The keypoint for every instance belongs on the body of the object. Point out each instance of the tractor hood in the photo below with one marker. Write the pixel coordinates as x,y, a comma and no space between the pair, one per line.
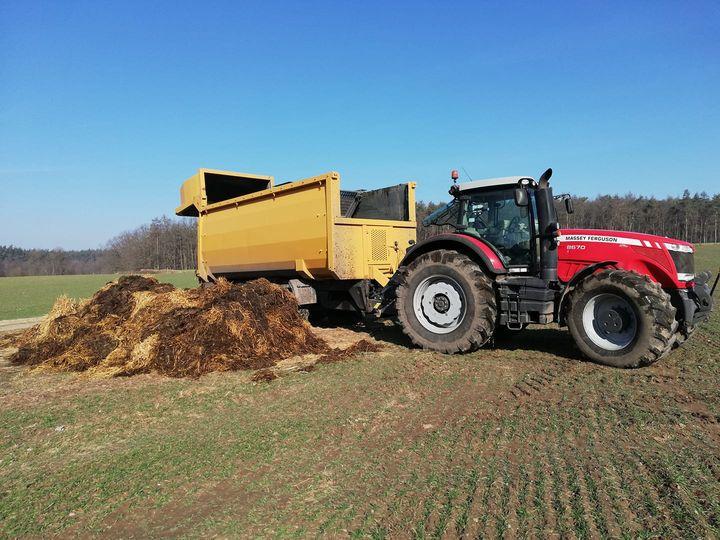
624,238
667,260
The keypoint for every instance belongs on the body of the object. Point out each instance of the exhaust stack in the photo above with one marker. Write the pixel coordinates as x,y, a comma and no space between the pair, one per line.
549,227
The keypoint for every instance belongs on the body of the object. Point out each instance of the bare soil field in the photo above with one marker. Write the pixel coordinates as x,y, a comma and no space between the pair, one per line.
521,439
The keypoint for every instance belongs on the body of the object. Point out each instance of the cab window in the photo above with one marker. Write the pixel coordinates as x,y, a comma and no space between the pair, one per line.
496,218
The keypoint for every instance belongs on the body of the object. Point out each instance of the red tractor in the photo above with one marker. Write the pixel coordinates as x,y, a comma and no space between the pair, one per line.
627,298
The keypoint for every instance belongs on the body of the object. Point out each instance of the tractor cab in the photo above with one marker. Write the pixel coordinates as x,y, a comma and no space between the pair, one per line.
505,213
489,211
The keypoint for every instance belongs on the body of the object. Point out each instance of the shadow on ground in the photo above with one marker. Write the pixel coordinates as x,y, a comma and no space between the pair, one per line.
543,339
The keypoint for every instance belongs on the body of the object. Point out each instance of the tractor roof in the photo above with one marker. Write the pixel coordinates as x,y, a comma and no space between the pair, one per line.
493,182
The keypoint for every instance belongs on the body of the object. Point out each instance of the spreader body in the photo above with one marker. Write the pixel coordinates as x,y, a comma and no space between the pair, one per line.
308,229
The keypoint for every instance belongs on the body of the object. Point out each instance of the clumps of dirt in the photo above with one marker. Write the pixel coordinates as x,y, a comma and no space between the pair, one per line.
10,339
264,375
138,325
308,363
336,355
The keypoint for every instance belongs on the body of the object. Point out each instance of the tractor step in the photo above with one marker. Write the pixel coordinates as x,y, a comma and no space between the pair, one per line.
525,300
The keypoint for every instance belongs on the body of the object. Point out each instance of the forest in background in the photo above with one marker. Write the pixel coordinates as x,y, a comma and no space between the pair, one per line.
169,243
164,243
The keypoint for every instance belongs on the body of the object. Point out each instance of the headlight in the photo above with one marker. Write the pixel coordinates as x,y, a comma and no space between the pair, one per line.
679,247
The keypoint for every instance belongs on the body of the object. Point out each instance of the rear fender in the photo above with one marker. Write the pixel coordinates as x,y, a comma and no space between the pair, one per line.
474,248
577,278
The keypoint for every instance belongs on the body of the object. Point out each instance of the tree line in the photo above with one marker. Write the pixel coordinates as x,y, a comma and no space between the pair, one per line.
170,243
164,243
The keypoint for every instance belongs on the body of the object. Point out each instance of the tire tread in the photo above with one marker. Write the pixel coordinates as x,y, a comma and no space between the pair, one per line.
651,299
486,305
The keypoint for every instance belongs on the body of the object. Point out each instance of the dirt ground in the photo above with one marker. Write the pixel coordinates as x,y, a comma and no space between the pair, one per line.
522,439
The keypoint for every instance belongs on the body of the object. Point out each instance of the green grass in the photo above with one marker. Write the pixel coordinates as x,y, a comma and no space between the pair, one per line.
30,296
708,258
399,443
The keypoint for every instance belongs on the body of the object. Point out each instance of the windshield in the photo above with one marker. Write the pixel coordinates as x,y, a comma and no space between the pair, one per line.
495,217
446,215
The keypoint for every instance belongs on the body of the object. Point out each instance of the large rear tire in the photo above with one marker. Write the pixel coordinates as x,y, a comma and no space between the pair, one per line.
446,303
621,319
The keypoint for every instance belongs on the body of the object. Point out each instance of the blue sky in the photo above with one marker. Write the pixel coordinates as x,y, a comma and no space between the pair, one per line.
105,107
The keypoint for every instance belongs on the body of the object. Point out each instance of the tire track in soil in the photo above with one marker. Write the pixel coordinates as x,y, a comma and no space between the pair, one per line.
535,383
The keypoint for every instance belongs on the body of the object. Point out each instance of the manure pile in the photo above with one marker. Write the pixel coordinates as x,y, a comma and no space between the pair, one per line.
137,325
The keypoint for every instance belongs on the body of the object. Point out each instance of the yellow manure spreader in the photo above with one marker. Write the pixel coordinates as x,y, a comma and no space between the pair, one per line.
332,248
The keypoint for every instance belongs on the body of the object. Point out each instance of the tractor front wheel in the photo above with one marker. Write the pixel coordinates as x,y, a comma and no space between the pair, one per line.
446,303
621,318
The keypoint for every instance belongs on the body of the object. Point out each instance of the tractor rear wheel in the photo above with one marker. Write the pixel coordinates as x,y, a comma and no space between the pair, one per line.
621,318
446,303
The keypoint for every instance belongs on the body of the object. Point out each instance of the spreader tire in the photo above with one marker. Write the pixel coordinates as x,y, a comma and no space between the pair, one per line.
621,319
446,303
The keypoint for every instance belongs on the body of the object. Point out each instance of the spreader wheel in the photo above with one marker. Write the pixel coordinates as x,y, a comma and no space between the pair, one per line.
446,303
621,318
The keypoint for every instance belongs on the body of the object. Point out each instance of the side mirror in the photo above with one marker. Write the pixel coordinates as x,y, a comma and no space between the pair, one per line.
569,205
521,197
